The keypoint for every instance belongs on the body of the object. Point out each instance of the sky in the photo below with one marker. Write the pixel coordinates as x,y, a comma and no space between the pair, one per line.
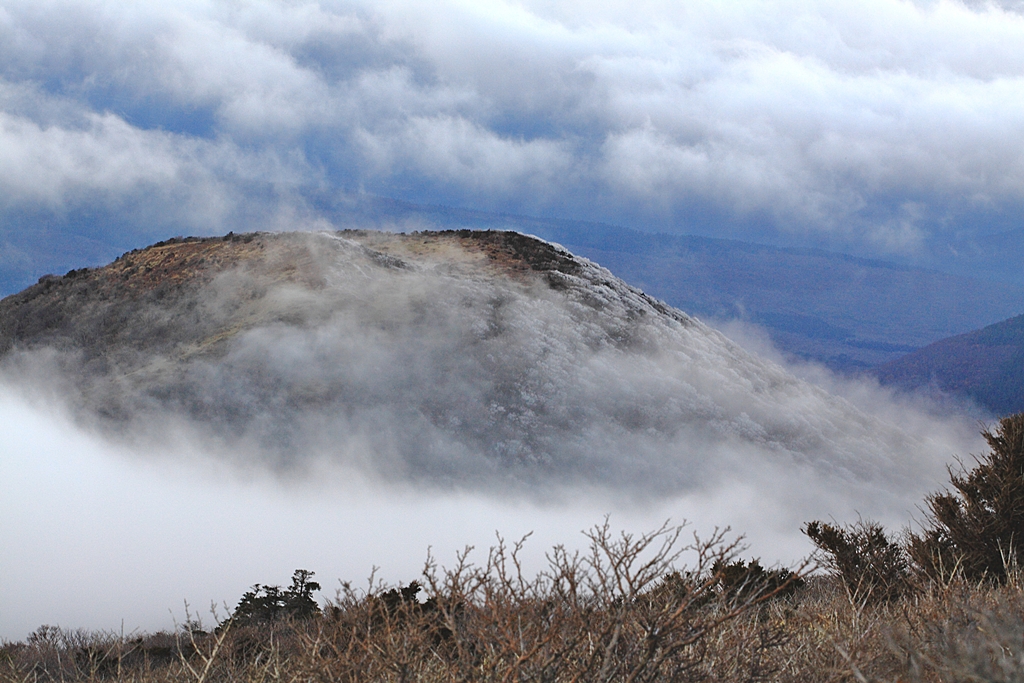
882,127
879,127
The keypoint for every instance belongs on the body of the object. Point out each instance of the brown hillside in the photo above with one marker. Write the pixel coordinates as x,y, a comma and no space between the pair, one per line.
146,298
986,366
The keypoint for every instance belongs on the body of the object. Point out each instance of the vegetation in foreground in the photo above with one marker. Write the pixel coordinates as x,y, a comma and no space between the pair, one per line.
942,604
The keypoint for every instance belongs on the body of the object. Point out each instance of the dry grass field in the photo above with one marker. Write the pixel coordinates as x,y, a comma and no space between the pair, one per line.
621,612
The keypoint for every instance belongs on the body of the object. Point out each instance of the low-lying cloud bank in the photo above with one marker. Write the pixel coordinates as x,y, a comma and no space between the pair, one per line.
884,127
98,535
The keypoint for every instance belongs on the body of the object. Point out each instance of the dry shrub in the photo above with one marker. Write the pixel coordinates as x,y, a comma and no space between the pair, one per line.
623,610
54,654
494,629
957,631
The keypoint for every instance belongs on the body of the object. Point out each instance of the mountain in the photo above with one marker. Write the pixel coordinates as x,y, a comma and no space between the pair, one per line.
458,358
986,366
845,312
848,313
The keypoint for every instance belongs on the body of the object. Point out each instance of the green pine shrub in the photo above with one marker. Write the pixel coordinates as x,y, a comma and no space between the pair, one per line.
977,528
973,531
270,603
873,567
741,581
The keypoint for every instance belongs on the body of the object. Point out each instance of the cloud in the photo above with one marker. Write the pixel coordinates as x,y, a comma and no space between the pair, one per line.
884,127
106,157
474,159
100,536
58,157
437,369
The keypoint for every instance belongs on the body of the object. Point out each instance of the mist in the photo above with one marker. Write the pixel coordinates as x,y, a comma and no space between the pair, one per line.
404,405
97,536
420,359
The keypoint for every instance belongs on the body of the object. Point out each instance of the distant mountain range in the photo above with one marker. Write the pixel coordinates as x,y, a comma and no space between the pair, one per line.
997,256
849,313
986,366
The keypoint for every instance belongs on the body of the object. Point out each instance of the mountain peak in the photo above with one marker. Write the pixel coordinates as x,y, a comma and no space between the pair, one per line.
461,358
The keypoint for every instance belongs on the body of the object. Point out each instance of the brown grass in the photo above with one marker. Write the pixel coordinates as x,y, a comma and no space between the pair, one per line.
622,611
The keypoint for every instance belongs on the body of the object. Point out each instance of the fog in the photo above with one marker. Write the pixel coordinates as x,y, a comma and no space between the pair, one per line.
405,405
96,536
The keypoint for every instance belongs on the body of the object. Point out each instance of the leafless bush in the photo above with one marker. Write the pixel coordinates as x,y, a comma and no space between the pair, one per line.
629,620
624,609
620,611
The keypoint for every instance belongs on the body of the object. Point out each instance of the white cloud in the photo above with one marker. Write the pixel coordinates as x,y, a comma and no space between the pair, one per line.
473,159
106,156
101,161
100,537
823,118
